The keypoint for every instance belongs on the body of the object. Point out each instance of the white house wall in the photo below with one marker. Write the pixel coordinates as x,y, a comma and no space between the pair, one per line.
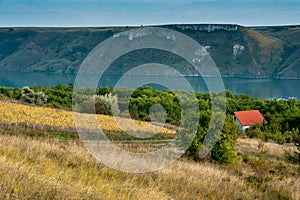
245,128
238,123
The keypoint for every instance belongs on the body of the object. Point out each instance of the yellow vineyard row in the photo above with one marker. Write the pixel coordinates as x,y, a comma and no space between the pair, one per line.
19,113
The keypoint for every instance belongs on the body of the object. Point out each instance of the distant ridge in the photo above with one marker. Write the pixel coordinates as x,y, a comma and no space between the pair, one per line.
264,51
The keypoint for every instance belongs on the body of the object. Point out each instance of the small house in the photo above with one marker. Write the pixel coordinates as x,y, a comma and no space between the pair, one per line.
245,119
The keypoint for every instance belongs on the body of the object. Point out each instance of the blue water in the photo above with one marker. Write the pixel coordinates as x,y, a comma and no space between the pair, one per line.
262,88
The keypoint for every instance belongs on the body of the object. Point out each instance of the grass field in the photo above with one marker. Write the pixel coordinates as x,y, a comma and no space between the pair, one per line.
39,163
49,168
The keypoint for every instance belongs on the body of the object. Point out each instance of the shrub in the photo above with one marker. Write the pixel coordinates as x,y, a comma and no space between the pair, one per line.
297,152
261,166
29,96
255,132
224,152
296,156
106,104
101,104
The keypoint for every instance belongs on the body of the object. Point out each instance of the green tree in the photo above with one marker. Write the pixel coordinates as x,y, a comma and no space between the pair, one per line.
224,150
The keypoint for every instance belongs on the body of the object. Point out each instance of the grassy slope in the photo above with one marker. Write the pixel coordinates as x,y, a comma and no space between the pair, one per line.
42,163
47,164
289,59
265,51
48,168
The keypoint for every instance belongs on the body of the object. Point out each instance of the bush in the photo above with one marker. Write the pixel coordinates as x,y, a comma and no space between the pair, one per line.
106,104
295,158
224,152
29,96
101,104
297,152
261,166
255,132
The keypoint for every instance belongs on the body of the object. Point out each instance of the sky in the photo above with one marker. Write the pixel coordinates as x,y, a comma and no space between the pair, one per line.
74,13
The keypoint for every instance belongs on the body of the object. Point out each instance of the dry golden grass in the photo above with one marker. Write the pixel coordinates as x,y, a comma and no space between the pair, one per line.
19,113
294,28
282,175
50,169
35,169
276,150
263,40
46,168
266,44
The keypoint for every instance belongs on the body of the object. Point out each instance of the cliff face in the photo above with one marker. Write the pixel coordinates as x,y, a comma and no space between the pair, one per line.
207,27
237,51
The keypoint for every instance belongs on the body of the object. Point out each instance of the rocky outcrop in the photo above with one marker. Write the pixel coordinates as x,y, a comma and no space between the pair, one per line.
208,27
238,49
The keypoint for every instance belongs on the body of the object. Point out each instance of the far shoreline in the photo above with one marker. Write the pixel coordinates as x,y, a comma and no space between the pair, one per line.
185,75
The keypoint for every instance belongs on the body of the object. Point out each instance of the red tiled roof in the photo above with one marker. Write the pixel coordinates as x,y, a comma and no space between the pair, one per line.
250,117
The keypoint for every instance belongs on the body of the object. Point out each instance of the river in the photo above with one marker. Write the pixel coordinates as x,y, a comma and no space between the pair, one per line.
263,88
